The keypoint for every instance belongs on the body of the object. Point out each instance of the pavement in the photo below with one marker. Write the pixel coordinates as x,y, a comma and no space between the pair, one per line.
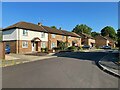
14,59
108,64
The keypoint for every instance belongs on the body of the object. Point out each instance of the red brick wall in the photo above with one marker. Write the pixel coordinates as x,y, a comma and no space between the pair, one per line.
13,45
2,50
54,40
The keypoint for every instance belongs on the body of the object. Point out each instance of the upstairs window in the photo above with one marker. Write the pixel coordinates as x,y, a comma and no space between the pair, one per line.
53,35
42,35
25,32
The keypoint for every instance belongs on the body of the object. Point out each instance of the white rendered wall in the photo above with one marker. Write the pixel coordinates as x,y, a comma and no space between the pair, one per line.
10,35
31,35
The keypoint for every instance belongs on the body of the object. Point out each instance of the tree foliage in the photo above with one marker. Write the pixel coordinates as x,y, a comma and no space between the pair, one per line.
82,29
93,34
118,35
54,27
110,31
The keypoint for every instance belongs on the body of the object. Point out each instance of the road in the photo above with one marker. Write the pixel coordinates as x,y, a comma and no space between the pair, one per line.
74,70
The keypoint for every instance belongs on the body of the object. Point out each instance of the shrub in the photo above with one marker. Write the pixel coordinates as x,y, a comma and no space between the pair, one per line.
79,48
56,48
72,48
46,49
42,49
62,45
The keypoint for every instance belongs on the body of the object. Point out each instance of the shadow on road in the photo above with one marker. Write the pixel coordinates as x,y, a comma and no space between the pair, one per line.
92,56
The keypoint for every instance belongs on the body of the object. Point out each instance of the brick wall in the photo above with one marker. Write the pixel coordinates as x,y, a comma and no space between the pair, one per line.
24,50
2,50
54,40
100,41
69,40
13,45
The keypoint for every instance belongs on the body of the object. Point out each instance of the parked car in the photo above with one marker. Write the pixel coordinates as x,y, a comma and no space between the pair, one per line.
86,47
7,49
105,47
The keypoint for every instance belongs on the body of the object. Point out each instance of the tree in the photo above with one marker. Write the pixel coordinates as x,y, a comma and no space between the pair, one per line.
118,35
108,30
93,34
82,29
54,27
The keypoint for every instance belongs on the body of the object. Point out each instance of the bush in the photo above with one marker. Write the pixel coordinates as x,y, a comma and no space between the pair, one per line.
44,49
79,48
62,45
72,48
56,48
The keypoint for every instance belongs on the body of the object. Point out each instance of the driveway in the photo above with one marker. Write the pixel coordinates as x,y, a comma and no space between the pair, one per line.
61,72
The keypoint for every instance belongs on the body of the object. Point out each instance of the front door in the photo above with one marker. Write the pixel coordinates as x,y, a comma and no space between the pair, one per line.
33,46
36,43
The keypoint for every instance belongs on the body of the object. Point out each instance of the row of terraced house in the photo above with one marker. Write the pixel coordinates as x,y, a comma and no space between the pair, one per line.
24,37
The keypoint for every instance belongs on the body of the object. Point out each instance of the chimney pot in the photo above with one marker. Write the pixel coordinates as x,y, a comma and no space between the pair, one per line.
39,24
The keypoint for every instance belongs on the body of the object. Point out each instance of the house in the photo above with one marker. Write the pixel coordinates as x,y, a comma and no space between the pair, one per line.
24,37
102,41
72,38
87,40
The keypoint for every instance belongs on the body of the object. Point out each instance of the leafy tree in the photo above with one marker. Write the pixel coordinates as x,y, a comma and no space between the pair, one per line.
93,34
118,35
82,29
54,27
108,30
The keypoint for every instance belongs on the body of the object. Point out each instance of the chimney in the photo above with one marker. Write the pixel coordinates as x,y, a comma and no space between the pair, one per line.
39,24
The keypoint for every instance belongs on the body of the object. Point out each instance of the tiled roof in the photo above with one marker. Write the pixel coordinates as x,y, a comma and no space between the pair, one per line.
35,27
107,37
26,25
53,30
101,37
86,35
70,33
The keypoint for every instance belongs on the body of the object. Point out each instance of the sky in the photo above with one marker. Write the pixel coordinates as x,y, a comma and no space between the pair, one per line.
67,15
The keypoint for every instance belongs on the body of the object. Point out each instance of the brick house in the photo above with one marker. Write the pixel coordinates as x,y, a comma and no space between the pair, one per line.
56,36
72,38
24,37
87,40
102,41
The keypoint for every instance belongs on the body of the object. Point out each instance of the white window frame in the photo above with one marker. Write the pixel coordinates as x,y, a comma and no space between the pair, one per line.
53,35
53,45
63,37
24,44
43,45
42,35
25,32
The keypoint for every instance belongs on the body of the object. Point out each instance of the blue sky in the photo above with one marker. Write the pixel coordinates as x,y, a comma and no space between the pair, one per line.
62,14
